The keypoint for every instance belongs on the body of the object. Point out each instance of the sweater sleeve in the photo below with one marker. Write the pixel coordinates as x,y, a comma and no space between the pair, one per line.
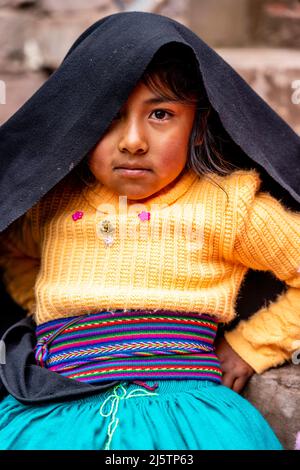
269,240
20,259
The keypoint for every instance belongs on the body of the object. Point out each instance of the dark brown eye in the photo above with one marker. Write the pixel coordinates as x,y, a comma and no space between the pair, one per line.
160,114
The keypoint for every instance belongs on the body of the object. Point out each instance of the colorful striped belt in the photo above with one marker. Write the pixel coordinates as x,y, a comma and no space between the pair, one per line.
126,345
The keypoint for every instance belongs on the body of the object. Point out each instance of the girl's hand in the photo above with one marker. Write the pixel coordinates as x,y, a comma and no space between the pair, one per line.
236,372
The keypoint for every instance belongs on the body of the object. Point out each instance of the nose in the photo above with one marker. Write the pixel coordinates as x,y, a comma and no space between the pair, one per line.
133,138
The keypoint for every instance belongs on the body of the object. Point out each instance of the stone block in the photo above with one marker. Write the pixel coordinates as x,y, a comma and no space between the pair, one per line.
15,29
19,88
279,24
54,35
153,6
176,9
276,394
274,74
74,5
221,23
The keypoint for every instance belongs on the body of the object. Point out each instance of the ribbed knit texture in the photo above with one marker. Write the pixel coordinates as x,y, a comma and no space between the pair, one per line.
191,256
130,345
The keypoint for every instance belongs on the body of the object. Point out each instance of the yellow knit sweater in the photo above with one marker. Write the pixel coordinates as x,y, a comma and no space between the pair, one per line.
192,255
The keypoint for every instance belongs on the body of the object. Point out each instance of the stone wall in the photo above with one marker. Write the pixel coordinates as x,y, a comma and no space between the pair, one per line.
279,24
36,34
274,73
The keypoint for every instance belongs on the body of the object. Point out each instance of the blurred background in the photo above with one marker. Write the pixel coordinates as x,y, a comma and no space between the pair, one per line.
259,38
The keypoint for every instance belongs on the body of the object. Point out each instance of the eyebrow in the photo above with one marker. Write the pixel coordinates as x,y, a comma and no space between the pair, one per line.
158,100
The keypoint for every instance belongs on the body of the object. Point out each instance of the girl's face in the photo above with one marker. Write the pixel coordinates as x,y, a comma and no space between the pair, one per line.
146,146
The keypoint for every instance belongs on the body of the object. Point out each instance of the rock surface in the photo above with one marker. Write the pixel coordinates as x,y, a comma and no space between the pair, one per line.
274,74
276,394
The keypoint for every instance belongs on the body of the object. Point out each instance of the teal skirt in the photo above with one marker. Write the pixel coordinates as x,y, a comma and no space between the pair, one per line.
177,415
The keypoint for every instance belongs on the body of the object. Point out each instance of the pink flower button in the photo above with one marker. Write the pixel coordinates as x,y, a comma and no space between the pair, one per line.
77,215
144,216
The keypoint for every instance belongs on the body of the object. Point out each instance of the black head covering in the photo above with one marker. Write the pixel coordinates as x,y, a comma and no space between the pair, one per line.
55,129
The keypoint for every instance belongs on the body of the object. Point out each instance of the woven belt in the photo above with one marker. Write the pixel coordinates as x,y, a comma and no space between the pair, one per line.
126,345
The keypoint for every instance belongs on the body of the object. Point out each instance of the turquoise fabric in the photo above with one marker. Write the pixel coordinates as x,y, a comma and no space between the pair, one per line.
178,415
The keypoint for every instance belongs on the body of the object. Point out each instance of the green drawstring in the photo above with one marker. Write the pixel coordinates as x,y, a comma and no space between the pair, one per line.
115,397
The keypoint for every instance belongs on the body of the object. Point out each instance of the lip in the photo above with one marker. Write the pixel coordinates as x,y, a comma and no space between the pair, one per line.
132,172
131,167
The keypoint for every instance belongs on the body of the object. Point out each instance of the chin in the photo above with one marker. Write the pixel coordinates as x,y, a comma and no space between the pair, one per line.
135,197
138,196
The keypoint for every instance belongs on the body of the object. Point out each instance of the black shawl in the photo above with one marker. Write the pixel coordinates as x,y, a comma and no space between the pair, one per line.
54,130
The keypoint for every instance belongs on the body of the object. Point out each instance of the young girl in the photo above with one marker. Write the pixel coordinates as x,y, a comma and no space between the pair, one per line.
127,264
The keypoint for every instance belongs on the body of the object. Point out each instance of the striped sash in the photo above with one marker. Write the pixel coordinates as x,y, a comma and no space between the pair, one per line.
127,345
